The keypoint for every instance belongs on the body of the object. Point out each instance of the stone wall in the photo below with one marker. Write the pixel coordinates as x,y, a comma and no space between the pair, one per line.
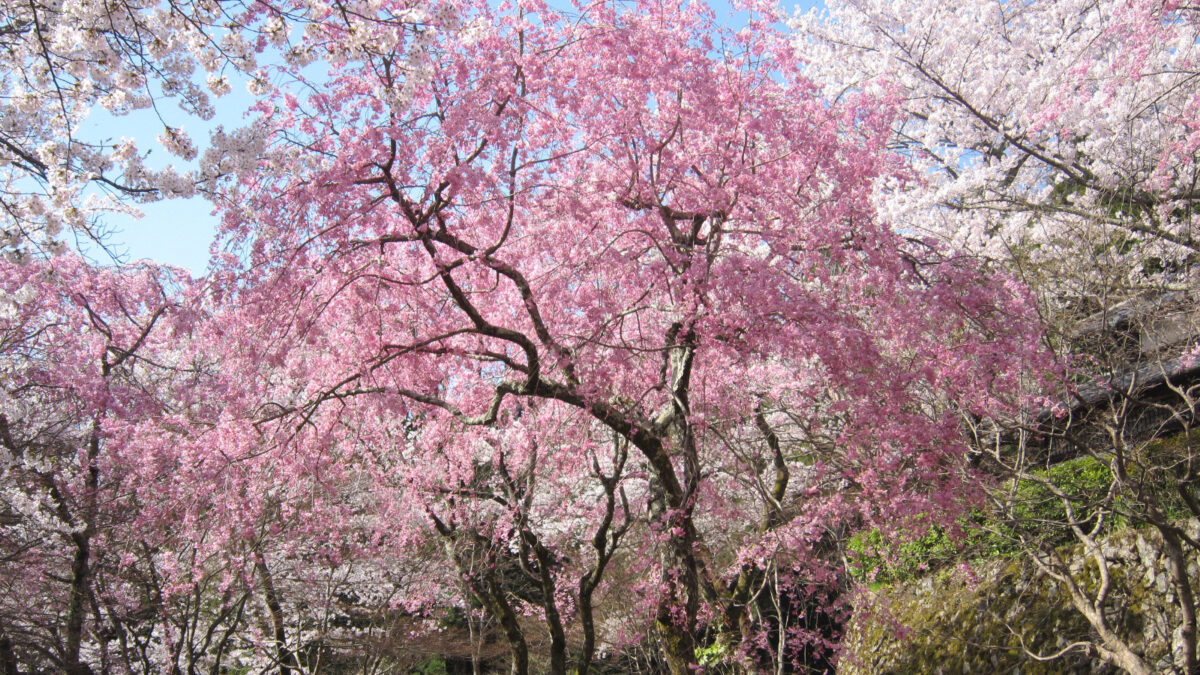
974,622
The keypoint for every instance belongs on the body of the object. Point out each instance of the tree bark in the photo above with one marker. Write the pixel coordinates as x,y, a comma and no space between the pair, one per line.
493,598
282,653
8,659
1177,563
77,605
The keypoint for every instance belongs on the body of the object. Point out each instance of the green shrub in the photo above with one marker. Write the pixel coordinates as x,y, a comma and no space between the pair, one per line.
1033,512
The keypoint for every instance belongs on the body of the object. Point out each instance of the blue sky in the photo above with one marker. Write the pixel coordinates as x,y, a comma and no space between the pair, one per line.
180,232
177,231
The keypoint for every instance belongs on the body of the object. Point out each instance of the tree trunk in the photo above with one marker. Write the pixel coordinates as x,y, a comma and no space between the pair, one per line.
678,645
677,610
77,604
283,655
1183,594
8,659
493,598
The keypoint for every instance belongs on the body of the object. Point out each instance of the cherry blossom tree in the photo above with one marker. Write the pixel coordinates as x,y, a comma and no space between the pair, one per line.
602,277
66,63
591,305
126,542
1060,138
1043,131
73,340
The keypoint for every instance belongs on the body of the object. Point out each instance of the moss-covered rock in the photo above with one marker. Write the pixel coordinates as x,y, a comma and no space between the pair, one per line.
989,619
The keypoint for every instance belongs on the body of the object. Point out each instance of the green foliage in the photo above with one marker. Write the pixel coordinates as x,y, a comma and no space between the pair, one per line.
1159,466
452,617
1035,511
1087,483
716,654
435,665
875,562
